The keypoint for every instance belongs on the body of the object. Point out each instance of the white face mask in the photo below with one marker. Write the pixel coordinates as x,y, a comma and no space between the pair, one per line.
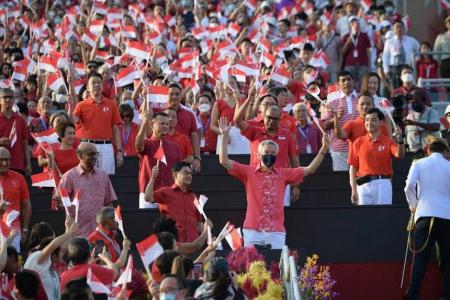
408,77
205,107
167,296
60,98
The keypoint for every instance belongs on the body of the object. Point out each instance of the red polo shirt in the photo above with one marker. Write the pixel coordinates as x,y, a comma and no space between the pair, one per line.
148,161
106,276
362,43
356,128
265,194
286,143
17,151
286,121
96,120
15,191
108,237
183,142
186,122
372,157
179,206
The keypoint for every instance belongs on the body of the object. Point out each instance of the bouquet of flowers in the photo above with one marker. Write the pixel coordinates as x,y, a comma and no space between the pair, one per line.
253,277
315,281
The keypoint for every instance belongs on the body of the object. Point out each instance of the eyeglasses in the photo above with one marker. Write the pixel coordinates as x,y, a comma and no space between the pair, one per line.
7,97
272,118
126,116
91,153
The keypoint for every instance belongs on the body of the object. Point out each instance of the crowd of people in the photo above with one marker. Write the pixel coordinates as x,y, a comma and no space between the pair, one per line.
85,83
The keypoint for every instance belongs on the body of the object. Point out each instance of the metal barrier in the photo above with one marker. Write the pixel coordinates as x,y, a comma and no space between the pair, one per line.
436,82
289,277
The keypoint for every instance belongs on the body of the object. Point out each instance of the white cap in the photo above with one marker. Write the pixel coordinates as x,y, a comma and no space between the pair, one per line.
447,110
265,4
353,18
386,23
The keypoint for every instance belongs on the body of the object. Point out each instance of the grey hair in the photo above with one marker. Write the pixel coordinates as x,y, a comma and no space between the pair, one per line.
105,214
266,143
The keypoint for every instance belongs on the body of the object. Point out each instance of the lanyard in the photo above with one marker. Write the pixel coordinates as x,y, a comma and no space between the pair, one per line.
303,133
43,123
125,135
113,243
205,127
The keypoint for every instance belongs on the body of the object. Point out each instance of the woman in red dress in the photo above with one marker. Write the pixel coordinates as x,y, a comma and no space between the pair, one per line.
128,130
209,137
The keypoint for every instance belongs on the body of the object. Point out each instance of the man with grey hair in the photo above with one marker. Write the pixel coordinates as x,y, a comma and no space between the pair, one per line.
265,185
90,185
106,231
45,110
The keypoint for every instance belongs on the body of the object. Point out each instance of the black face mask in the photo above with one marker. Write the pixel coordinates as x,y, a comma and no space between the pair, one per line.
418,107
269,160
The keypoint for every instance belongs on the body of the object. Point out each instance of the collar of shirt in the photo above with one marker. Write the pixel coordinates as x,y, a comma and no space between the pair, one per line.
258,169
175,187
92,101
7,175
155,138
80,170
109,233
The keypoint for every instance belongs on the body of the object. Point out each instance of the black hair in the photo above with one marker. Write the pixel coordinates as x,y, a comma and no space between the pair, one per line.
406,67
23,108
165,239
344,73
164,261
79,250
308,47
218,272
94,74
166,224
368,95
38,232
12,252
175,85
277,90
159,113
437,147
375,110
180,165
206,96
181,283
286,22
123,108
76,289
27,282
268,95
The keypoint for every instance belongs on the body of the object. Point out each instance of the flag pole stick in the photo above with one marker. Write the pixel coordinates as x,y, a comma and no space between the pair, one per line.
408,230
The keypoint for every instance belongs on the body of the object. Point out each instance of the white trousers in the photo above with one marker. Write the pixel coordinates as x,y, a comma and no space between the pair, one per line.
106,160
378,191
253,237
339,161
287,196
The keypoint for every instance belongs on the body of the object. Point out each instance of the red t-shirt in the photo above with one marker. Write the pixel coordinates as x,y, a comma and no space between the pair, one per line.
209,135
186,122
65,159
106,276
179,206
15,191
17,151
352,57
129,139
183,142
286,143
148,161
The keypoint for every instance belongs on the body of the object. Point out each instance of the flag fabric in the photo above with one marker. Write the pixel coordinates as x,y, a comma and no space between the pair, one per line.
5,231
80,69
320,60
55,81
149,249
128,31
48,64
281,75
96,285
158,94
96,26
44,179
386,105
20,73
248,69
9,217
366,4
13,134
126,275
138,50
65,199
234,29
200,204
159,154
76,203
126,76
118,219
333,92
234,237
267,59
89,38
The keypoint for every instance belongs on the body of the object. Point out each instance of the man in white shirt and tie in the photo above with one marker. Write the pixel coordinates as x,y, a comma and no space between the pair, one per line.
430,205
398,51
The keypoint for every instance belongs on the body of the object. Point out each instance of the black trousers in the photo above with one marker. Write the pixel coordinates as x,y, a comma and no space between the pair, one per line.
440,233
395,74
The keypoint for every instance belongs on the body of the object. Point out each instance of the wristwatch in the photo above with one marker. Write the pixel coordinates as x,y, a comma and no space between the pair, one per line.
197,158
25,230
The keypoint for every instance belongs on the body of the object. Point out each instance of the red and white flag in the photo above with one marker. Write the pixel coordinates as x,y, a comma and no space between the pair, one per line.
44,179
366,4
157,94
96,285
100,8
20,73
129,32
267,59
149,250
13,134
80,69
320,60
234,29
138,50
5,231
386,105
200,204
234,237
118,219
89,38
333,92
48,64
126,275
96,26
114,13
126,76
55,81
65,199
159,154
78,84
251,5
76,203
49,136
281,75
255,35
248,69
10,217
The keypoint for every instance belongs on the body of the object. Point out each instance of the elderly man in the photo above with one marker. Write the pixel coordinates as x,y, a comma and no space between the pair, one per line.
14,133
98,122
265,185
370,162
428,194
90,185
14,197
177,201
45,109
309,136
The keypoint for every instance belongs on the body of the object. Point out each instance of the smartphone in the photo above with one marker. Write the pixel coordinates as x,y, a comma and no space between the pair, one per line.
98,247
198,270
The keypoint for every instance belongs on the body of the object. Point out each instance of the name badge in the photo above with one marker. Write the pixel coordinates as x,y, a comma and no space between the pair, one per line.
355,53
202,142
281,137
308,148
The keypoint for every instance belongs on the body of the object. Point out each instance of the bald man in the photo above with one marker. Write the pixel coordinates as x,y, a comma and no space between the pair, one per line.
14,196
92,185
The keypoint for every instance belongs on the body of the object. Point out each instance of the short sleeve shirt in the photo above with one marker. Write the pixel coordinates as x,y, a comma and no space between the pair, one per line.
96,120
186,122
356,128
15,191
183,142
415,135
17,150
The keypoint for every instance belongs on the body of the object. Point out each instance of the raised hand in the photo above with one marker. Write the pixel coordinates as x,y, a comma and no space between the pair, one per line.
224,125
